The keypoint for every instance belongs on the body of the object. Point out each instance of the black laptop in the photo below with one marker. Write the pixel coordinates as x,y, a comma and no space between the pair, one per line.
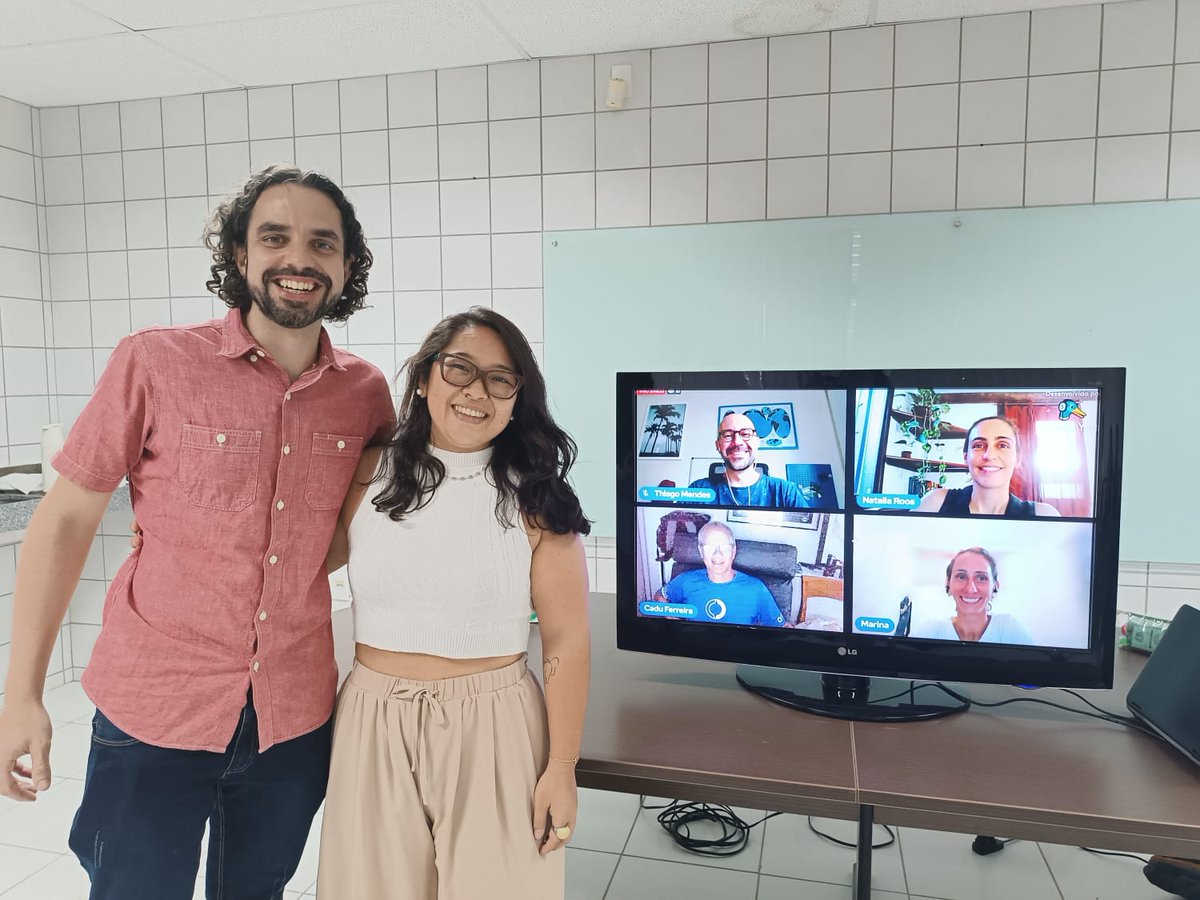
1166,695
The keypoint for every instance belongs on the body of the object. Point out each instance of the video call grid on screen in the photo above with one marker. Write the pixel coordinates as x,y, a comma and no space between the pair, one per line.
967,505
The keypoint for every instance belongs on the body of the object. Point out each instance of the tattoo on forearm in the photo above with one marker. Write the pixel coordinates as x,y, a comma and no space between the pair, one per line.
549,667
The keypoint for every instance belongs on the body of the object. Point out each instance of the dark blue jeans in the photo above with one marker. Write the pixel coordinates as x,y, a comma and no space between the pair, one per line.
138,830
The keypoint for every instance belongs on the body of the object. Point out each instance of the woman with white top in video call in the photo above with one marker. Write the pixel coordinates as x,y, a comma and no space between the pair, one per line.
973,581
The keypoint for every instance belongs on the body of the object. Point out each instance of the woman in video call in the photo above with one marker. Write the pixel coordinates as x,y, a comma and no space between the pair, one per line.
992,452
973,581
453,775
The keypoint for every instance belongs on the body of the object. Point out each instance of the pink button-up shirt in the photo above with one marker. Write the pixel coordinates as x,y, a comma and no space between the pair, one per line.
236,474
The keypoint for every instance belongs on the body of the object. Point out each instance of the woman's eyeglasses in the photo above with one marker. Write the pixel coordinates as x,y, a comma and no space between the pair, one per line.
501,384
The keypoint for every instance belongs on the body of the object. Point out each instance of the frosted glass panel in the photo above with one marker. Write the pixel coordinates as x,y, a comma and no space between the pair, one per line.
1112,285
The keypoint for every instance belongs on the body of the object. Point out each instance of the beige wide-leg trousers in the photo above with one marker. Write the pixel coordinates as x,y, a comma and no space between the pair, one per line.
431,790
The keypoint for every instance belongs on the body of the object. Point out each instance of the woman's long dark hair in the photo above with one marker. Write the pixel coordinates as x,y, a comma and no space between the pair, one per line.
530,457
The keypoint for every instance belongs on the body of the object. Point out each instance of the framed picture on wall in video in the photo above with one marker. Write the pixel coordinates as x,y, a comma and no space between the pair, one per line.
662,434
774,423
788,518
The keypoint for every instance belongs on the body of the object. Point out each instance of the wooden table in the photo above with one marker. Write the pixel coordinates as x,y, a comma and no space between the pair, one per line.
676,727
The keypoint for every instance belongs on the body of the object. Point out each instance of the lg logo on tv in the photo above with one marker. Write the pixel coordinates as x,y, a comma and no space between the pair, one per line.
846,651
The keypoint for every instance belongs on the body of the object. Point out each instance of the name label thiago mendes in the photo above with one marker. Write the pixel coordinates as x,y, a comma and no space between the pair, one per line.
676,494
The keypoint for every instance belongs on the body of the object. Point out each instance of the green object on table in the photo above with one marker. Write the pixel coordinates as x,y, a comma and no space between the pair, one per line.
1143,633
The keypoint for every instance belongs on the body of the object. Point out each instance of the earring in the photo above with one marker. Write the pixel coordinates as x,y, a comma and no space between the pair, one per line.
420,393
989,607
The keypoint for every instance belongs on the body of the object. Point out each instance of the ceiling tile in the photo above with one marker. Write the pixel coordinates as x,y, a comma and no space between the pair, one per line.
142,15
60,52
921,10
49,20
564,29
98,70
377,39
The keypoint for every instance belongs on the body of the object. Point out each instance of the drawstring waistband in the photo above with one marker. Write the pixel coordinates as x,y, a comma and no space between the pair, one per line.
425,700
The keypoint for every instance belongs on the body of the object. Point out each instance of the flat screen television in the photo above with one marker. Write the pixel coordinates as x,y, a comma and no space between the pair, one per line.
820,528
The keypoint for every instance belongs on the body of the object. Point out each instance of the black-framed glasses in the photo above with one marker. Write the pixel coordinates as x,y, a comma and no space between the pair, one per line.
745,434
501,384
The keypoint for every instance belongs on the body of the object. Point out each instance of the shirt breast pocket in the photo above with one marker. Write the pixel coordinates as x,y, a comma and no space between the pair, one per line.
218,467
334,459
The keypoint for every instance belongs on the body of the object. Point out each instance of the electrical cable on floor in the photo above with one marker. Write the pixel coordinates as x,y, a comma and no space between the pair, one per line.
853,845
677,819
1142,859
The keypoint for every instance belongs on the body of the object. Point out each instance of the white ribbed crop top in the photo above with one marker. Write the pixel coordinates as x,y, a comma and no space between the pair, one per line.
448,579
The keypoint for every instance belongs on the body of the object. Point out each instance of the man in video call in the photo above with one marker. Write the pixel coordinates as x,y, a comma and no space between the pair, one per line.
743,484
720,593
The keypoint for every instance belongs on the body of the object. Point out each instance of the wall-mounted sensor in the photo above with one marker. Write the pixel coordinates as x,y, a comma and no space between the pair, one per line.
620,86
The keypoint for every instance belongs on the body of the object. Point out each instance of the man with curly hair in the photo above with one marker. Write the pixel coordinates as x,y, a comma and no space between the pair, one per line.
213,673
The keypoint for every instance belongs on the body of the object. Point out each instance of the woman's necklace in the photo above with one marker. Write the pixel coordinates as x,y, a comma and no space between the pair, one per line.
471,474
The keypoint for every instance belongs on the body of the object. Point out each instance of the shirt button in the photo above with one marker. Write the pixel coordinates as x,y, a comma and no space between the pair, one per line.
253,357
262,616
221,439
279,505
286,449
272,559
341,445
254,666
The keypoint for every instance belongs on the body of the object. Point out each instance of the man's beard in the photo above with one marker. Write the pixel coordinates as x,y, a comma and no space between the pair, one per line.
292,313
740,467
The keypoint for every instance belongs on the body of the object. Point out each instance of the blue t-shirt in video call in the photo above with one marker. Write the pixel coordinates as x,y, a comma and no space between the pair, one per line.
743,601
767,491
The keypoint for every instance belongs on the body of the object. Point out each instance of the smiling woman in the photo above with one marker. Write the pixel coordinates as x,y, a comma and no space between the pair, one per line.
992,452
471,526
973,581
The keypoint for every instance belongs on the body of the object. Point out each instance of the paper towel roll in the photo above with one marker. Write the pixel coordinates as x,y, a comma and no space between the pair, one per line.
52,441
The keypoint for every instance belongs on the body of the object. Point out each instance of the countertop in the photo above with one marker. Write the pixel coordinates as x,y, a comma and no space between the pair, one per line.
15,516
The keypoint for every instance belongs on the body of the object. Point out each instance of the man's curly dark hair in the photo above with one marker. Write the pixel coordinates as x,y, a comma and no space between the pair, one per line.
227,228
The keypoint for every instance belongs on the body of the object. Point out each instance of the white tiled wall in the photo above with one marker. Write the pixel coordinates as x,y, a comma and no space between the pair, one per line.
58,669
82,627
456,173
27,372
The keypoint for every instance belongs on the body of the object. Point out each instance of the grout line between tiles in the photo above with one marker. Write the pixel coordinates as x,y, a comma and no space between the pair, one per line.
1050,869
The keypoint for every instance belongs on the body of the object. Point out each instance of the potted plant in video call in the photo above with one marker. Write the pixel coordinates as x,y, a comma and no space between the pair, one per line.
919,416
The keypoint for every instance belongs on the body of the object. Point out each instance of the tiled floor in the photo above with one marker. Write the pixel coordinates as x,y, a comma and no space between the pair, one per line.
620,853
